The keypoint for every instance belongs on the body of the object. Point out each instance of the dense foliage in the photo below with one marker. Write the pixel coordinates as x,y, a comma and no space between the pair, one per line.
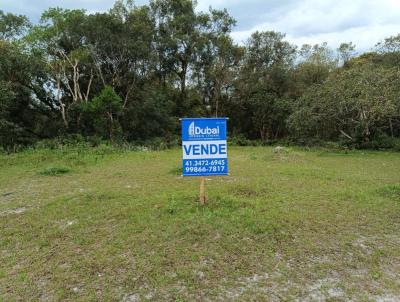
130,73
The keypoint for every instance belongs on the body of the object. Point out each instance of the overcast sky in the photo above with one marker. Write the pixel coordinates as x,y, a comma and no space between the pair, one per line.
364,22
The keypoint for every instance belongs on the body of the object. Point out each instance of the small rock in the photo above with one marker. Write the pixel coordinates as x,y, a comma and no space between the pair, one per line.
200,274
131,298
280,149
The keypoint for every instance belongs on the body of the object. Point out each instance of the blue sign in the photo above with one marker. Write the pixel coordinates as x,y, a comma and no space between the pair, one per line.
205,151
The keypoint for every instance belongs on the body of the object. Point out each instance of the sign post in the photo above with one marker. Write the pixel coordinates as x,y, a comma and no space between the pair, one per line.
205,150
203,199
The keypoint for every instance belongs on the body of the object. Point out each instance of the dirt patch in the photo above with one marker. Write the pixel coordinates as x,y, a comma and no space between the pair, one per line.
64,224
247,191
131,298
45,295
323,290
16,211
387,298
362,244
247,284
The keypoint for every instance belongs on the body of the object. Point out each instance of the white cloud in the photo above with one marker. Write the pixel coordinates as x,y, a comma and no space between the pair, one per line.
334,21
203,5
364,22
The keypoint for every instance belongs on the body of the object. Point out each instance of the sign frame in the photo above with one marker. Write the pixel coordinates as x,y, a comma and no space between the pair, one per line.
204,147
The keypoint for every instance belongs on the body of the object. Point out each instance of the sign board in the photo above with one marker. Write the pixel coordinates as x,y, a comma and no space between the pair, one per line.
205,151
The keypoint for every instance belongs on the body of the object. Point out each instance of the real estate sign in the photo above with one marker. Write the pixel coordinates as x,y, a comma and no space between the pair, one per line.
204,146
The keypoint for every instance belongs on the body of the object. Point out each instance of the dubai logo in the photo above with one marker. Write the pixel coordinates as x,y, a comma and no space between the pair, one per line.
191,129
194,131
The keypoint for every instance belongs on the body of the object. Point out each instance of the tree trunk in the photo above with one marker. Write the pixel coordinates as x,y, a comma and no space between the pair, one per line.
216,106
64,116
182,76
111,126
89,85
366,133
391,127
63,113
263,133
78,120
277,132
181,99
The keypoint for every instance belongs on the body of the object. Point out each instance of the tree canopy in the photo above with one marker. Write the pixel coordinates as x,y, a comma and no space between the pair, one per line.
130,73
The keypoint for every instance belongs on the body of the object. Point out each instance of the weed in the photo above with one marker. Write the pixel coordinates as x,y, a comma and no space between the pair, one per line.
390,191
176,171
55,171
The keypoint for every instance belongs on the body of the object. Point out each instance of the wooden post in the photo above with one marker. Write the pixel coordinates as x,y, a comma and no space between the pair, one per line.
202,191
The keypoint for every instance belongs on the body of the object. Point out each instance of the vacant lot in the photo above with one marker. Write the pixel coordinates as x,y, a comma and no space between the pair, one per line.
102,224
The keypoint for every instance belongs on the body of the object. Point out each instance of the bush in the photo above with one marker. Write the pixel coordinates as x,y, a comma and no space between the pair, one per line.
382,141
73,140
240,140
309,142
157,144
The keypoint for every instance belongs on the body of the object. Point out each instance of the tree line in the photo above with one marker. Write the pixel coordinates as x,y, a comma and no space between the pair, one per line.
130,73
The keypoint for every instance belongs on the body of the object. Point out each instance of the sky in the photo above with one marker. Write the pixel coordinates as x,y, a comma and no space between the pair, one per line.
363,22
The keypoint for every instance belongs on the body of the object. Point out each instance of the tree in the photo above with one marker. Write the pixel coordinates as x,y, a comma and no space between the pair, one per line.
389,44
389,49
103,112
346,52
357,104
60,40
21,82
148,65
314,65
184,41
217,70
177,40
120,45
264,82
13,26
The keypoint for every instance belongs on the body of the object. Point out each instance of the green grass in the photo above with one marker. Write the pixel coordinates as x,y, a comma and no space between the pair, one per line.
54,171
125,226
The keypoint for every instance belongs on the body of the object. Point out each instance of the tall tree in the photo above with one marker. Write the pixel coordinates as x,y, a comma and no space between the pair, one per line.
60,39
346,52
184,41
264,82
13,27
357,104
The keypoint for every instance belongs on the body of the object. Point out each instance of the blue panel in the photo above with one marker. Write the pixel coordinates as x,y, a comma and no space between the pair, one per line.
203,129
204,147
205,167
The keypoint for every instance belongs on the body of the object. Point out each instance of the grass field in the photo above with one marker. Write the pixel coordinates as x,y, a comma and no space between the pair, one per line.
107,225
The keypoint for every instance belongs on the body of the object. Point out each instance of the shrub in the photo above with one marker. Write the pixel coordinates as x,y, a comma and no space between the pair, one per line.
240,140
381,141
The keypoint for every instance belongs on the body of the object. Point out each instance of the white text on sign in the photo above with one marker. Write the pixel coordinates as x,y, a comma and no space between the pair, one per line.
204,149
